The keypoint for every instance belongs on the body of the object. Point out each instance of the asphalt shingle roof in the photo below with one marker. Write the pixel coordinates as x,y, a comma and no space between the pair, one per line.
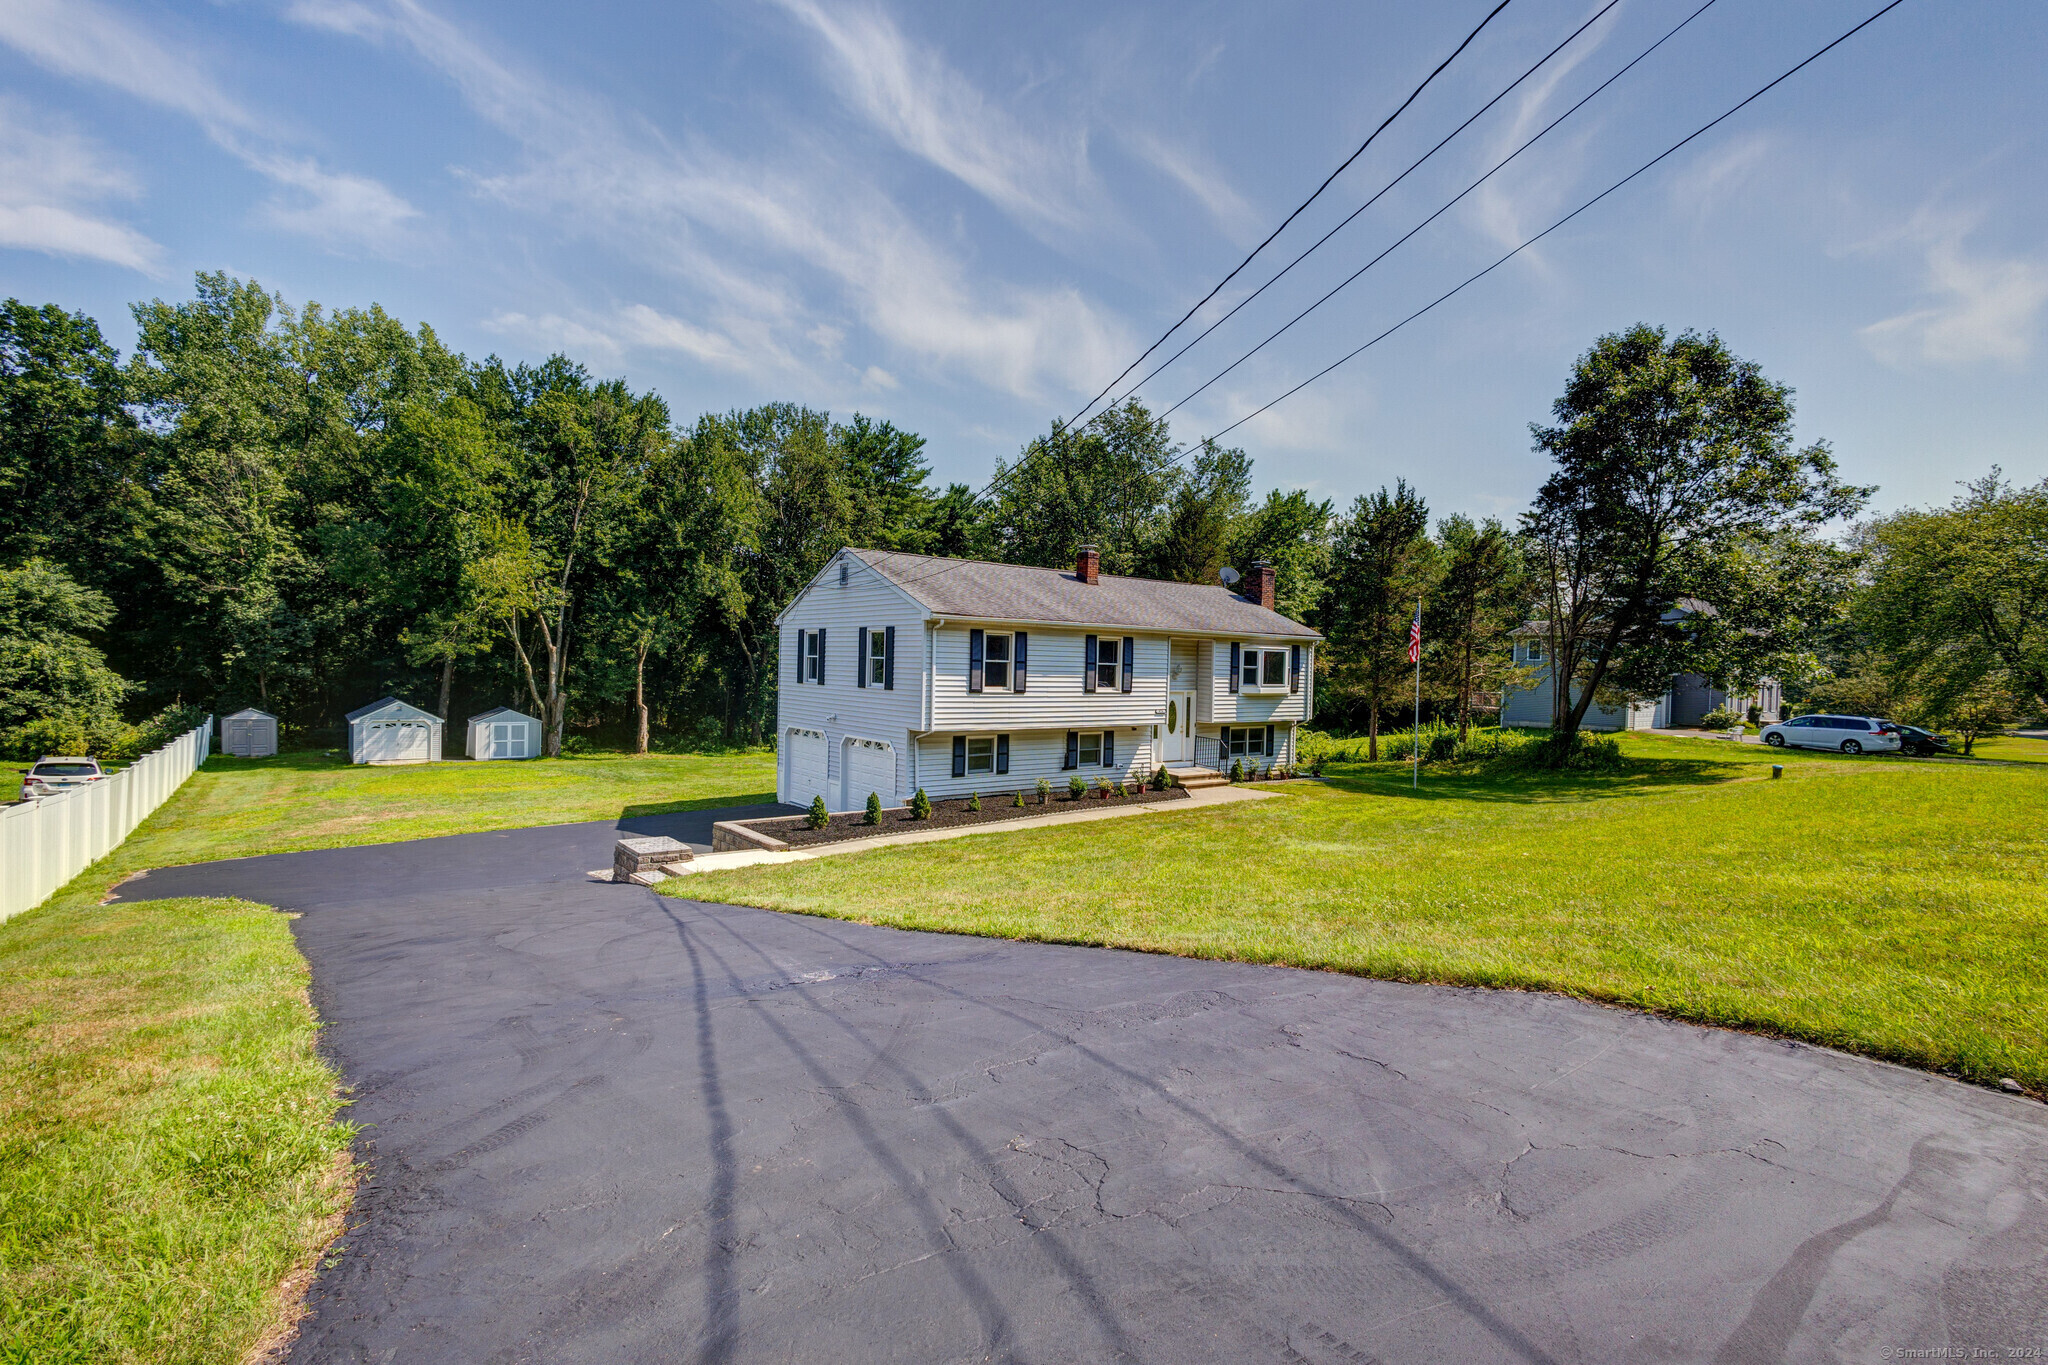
980,591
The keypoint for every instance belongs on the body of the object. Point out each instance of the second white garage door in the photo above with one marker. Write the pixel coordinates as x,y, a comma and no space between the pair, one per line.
807,767
870,767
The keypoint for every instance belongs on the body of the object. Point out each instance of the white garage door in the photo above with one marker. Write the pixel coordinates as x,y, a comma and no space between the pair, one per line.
396,741
870,767
807,767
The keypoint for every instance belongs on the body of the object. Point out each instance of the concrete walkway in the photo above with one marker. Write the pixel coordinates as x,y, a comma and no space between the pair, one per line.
1197,800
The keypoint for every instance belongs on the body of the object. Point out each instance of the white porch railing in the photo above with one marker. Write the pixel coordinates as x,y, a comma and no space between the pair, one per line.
44,844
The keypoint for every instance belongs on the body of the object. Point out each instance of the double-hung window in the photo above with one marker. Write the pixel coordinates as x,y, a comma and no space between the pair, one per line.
1245,741
1534,651
995,664
877,662
1106,665
981,754
1262,670
814,656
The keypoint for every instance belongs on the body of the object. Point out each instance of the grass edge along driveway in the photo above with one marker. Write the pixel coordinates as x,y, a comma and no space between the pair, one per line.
1893,908
173,1152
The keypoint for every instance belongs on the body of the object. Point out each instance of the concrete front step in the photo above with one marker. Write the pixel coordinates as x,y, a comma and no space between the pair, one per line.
1195,779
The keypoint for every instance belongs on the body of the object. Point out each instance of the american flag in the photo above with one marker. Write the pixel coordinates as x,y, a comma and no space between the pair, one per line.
1415,639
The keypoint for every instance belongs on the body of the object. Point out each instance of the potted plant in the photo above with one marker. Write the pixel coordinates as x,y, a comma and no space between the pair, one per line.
1044,790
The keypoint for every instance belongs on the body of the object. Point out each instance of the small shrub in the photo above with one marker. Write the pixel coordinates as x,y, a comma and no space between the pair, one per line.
1237,770
1720,718
1584,754
1755,715
974,800
1018,802
1077,787
818,817
874,811
1044,789
1120,790
1443,747
920,806
1159,778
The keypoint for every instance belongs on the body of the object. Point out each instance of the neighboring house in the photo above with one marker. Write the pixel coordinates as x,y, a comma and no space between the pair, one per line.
392,731
901,671
1682,706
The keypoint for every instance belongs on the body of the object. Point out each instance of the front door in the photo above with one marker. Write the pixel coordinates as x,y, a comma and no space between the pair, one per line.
1177,736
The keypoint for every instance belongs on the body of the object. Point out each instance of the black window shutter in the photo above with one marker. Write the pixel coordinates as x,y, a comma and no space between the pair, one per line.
1269,744
860,661
1021,648
974,648
1002,753
959,755
1123,681
821,656
1088,665
1236,662
1109,748
1294,668
799,653
1073,759
889,658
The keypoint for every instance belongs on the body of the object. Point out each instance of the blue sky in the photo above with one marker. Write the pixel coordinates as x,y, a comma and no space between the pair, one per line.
967,217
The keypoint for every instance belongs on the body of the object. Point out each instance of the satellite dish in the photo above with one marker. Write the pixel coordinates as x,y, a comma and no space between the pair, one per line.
1229,575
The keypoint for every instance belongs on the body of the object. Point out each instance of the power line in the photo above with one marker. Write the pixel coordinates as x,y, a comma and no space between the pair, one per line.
1413,166
1661,156
1297,212
1497,167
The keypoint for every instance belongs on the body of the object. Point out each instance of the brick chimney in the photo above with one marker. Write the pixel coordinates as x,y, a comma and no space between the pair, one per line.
1259,584
1088,565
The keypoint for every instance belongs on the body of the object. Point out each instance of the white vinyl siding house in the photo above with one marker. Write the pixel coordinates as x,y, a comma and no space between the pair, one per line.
901,672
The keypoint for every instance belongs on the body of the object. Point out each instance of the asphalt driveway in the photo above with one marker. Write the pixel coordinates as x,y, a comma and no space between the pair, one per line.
605,1126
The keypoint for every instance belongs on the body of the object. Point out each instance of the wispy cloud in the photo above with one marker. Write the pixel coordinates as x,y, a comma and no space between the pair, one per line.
52,181
690,211
82,40
1197,175
930,110
1506,207
1982,307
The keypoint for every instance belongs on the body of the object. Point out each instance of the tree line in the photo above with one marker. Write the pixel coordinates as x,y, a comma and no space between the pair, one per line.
304,509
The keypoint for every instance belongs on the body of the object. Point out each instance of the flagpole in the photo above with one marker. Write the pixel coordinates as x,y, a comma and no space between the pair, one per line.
1415,780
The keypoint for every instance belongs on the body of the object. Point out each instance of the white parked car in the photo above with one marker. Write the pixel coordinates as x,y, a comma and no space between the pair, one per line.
1844,734
53,774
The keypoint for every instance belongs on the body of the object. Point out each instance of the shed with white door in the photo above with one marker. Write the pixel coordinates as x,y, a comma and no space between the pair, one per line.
391,731
249,733
502,733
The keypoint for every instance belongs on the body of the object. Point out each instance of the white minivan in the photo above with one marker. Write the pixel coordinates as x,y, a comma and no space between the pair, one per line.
1845,734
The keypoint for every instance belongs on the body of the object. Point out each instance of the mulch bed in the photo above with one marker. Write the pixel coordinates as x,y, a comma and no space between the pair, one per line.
951,813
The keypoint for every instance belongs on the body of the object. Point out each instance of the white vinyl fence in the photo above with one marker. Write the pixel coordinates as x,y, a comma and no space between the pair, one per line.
44,844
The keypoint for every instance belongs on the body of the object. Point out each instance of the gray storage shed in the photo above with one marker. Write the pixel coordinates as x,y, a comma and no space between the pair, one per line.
249,733
392,731
502,733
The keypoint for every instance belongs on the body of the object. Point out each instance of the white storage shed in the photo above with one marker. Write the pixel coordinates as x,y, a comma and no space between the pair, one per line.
249,733
390,731
503,733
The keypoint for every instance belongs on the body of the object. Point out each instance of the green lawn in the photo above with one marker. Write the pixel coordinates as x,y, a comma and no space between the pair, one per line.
173,1158
2010,749
1893,908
